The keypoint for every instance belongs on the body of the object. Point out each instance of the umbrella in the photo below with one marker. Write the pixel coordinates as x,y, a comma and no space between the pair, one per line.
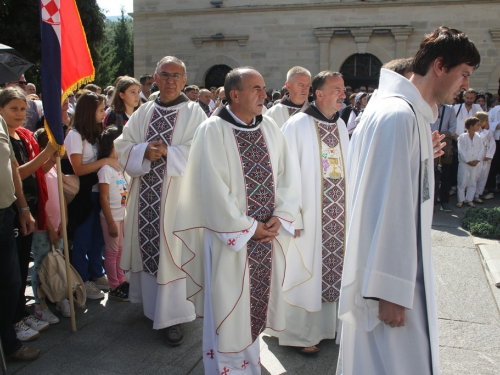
12,64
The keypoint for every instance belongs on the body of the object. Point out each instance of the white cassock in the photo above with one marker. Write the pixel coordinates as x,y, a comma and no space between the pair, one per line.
150,250
237,175
314,260
468,150
489,148
282,111
388,250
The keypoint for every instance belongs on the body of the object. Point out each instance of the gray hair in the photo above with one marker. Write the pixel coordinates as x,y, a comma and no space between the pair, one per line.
234,80
170,59
295,71
319,80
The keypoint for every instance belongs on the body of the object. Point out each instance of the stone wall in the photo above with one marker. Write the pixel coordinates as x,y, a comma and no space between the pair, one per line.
273,38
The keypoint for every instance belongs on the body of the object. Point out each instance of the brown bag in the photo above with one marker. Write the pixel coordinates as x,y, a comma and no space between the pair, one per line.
447,157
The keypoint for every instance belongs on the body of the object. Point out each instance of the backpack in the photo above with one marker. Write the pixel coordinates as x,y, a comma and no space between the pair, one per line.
53,281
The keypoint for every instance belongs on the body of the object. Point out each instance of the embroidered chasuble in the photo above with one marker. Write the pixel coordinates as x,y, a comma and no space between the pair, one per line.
161,127
333,209
259,181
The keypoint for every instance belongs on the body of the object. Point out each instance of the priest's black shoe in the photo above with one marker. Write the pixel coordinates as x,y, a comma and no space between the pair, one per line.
174,336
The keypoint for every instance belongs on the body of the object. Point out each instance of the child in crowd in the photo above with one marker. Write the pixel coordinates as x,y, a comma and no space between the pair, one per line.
489,147
125,100
82,149
32,165
44,239
470,149
113,194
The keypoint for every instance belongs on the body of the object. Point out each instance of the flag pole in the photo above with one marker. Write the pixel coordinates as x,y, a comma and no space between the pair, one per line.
62,205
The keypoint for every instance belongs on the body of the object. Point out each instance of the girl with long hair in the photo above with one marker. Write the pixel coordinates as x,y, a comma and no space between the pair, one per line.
125,100
82,149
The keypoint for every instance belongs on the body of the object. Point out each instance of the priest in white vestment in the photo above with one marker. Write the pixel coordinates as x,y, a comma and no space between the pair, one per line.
153,151
238,202
298,82
318,141
387,301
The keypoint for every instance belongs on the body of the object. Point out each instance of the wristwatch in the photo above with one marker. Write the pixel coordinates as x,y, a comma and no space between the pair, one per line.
23,208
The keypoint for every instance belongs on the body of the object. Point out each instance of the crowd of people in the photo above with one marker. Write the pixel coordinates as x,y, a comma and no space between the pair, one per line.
255,209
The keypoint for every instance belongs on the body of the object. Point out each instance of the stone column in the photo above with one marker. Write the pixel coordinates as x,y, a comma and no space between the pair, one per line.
401,36
324,37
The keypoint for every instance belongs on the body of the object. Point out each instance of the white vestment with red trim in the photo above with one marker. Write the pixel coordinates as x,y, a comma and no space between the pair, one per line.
150,250
213,224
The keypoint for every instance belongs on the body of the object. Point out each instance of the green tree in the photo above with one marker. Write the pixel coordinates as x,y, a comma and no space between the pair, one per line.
123,42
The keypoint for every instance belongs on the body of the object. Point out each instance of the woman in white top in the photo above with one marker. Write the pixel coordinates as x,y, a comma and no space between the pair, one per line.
82,149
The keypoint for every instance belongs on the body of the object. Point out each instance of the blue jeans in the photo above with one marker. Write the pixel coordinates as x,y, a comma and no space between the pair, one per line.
88,245
40,247
10,281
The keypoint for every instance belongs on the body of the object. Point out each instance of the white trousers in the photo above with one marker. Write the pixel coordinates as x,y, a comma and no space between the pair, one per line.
166,305
466,179
482,177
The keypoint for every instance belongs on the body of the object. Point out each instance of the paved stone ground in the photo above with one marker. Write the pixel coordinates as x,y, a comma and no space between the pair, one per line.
115,338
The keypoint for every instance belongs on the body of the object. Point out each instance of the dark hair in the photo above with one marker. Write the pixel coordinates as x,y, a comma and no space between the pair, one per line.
400,66
145,77
319,80
452,46
92,87
154,88
84,117
11,93
41,137
117,103
471,121
234,81
191,88
106,141
480,96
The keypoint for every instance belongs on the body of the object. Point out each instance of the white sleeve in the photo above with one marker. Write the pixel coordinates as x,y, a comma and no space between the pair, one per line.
73,143
104,175
492,146
137,165
237,240
351,123
286,229
176,162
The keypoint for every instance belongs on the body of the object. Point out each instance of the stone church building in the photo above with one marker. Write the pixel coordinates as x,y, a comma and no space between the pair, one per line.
354,37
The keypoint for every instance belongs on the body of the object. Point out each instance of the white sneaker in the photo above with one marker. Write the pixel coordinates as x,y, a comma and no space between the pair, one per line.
92,291
45,315
34,323
63,308
25,333
488,196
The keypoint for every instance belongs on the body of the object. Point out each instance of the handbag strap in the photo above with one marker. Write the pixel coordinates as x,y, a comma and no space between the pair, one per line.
442,117
459,109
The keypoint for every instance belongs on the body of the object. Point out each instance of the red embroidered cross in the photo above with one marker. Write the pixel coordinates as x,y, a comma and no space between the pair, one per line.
245,231
211,354
225,371
244,365
231,242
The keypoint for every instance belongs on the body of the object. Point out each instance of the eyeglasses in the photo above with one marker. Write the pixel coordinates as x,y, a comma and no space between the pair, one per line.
22,83
166,76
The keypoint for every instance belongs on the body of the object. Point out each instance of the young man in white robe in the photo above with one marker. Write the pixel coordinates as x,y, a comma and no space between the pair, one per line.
235,216
387,300
153,151
298,82
318,141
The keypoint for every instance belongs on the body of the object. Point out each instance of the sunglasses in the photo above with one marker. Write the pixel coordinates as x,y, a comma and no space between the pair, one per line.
22,83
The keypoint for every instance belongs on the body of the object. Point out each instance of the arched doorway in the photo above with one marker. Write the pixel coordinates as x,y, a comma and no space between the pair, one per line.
361,70
216,75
